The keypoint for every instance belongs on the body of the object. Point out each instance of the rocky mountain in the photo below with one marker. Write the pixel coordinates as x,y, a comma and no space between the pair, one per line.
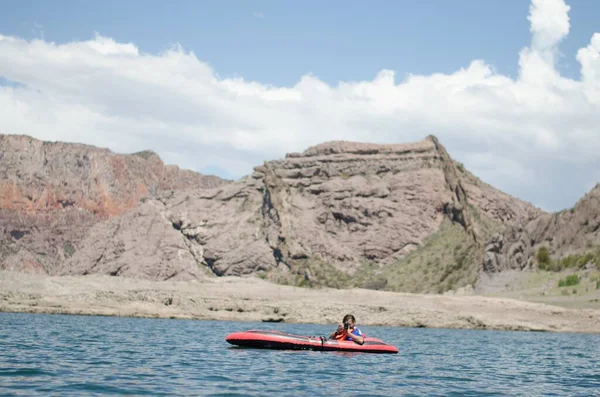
566,239
400,217
52,193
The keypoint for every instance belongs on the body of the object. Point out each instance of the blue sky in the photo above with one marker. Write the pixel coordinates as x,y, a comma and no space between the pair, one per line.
511,88
276,42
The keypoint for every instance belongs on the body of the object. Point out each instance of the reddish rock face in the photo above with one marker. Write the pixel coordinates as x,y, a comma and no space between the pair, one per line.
52,193
38,177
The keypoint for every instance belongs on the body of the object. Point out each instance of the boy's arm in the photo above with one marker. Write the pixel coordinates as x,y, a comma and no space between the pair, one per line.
337,332
356,338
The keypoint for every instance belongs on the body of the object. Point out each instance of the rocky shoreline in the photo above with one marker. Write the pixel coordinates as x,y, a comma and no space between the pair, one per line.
252,299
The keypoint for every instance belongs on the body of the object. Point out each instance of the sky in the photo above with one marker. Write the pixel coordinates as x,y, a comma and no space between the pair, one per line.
511,88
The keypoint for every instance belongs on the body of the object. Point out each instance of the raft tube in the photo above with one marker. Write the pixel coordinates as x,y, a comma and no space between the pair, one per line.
285,341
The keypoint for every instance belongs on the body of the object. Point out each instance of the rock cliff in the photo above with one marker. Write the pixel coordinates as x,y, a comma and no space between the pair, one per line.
52,193
568,238
398,216
334,214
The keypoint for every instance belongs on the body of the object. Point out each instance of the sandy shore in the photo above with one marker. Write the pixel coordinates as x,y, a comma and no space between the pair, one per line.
243,299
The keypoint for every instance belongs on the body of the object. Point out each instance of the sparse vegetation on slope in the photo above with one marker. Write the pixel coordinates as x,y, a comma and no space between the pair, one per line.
447,260
574,261
370,275
309,272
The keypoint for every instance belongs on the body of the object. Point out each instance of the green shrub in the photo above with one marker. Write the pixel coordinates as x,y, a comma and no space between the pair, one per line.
597,284
304,283
145,154
576,261
543,257
573,279
68,250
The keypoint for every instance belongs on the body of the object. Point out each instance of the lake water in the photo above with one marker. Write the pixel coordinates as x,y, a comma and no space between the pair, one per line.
80,355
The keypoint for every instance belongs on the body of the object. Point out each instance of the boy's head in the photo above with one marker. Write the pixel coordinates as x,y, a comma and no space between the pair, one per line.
350,320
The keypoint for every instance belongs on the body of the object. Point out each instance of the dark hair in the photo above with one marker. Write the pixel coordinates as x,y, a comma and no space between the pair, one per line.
348,317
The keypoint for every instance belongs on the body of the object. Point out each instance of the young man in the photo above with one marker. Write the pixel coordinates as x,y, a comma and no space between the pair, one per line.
348,331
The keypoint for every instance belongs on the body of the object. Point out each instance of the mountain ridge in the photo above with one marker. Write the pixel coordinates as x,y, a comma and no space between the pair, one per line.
404,217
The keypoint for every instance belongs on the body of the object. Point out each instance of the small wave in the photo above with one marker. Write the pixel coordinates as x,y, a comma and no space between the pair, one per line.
14,372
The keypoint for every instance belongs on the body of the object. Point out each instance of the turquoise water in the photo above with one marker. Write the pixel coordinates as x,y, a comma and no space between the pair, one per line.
80,355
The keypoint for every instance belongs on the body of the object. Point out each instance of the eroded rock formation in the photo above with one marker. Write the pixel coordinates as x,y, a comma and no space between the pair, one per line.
572,231
339,203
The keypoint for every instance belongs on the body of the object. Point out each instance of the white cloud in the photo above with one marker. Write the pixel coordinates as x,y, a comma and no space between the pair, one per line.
258,14
535,137
549,25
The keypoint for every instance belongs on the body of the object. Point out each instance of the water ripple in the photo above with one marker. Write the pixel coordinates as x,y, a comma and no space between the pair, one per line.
84,355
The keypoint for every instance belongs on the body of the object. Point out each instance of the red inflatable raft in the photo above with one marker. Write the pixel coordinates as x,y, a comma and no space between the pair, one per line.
281,340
